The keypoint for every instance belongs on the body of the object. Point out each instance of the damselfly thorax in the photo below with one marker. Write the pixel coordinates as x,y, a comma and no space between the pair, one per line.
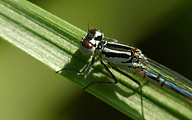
124,57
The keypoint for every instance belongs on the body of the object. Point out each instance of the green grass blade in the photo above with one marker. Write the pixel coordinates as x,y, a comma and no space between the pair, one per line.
55,43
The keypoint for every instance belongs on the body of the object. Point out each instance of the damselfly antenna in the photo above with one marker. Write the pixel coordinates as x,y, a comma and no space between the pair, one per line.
88,26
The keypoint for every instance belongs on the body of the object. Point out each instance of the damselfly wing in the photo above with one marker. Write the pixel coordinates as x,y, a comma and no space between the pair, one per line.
182,85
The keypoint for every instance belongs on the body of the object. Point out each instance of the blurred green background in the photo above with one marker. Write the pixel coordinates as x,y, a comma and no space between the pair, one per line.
31,91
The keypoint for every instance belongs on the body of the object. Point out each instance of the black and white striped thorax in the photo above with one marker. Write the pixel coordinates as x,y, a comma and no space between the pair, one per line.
123,56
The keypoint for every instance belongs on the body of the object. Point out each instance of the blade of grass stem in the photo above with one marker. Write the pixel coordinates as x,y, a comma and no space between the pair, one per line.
55,43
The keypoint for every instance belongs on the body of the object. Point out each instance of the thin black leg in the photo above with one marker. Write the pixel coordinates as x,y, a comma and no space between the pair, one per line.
114,78
110,39
107,69
83,73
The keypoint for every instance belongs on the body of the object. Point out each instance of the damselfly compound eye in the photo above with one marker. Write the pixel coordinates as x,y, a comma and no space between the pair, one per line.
86,44
86,47
99,35
96,34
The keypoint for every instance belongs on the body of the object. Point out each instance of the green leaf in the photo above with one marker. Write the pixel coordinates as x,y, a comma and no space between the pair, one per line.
55,43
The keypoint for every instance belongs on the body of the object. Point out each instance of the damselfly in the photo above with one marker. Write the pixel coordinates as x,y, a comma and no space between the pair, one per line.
123,57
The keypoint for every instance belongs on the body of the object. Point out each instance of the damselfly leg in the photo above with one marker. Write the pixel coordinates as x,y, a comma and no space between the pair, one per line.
113,77
110,39
83,73
107,69
88,70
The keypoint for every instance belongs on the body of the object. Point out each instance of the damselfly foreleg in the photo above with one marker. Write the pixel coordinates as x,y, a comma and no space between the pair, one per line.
110,39
107,69
83,73
88,70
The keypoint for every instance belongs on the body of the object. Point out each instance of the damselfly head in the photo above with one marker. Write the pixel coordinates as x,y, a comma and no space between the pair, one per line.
91,41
